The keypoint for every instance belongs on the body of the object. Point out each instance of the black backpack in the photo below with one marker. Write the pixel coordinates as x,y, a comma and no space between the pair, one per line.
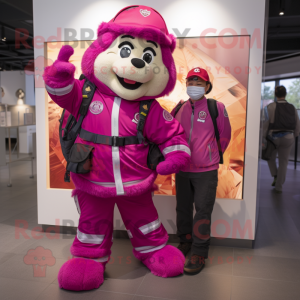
285,117
214,113
79,156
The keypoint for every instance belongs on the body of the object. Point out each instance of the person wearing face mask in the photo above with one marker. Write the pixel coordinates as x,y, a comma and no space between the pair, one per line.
197,183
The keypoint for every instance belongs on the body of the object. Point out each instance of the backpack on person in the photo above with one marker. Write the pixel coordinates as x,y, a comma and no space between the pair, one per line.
79,156
285,117
214,113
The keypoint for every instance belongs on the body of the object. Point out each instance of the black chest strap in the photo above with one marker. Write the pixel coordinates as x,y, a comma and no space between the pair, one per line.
119,141
115,141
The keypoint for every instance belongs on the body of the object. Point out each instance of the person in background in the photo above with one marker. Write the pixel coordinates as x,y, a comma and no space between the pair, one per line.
197,183
282,125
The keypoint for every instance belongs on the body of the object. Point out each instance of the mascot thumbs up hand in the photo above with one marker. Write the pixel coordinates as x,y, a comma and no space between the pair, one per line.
61,73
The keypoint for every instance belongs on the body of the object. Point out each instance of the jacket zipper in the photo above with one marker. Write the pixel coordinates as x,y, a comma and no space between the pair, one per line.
192,124
209,149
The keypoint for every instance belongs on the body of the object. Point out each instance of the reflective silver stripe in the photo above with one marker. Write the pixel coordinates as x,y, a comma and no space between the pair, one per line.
148,249
101,259
112,184
77,204
115,150
90,238
129,234
176,148
150,227
61,91
192,125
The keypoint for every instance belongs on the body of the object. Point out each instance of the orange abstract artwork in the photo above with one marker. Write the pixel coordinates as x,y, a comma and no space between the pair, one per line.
228,71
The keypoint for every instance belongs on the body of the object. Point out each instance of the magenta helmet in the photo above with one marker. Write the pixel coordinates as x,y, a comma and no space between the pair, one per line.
138,21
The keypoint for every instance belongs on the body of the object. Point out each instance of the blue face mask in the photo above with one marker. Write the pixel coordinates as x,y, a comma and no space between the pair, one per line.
195,92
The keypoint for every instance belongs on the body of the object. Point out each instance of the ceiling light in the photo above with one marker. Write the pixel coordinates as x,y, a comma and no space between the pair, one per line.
281,7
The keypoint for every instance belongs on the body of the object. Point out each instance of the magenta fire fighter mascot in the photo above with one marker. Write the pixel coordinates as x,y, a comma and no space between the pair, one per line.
131,61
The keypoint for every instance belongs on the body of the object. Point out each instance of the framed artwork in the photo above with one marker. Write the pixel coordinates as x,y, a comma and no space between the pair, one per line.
226,59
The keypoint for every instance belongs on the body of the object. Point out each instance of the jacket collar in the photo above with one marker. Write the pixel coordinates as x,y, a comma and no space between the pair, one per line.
197,103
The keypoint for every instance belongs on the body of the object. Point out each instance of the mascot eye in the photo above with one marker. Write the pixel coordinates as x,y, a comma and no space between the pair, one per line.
148,57
125,51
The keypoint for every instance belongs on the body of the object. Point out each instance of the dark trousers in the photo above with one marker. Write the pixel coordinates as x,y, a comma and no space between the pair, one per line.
201,192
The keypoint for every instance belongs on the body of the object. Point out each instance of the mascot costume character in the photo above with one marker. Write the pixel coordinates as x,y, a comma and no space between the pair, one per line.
130,63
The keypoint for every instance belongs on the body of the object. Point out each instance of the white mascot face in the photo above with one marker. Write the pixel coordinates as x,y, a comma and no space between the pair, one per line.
132,68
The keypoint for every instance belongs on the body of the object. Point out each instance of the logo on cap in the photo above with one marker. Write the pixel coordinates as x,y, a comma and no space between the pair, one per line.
96,107
145,13
197,70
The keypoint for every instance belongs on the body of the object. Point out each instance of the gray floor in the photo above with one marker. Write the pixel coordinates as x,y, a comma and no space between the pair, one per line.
269,271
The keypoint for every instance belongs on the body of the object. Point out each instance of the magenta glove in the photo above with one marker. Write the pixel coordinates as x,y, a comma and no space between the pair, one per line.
61,73
173,163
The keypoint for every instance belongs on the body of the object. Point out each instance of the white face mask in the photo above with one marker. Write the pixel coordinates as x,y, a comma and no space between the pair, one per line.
195,92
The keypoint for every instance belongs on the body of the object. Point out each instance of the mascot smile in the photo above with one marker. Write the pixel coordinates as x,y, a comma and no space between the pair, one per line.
131,67
125,69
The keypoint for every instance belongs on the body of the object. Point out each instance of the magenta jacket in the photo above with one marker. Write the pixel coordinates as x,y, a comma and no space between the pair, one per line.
200,135
119,170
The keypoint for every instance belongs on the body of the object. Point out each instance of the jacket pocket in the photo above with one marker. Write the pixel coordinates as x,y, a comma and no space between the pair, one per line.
209,152
80,159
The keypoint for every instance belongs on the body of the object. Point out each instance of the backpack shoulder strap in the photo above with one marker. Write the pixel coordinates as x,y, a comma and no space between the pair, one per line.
88,92
213,108
213,111
177,108
143,113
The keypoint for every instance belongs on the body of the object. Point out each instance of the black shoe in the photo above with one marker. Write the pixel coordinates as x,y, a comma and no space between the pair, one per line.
185,248
274,182
194,264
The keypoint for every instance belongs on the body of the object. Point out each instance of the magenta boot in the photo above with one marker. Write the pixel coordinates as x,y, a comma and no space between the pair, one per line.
80,274
166,262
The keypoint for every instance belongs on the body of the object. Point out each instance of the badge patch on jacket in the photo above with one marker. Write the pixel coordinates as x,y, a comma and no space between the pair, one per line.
96,107
167,116
202,116
136,118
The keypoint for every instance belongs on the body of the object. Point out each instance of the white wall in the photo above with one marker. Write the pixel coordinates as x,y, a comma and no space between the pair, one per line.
195,14
29,90
10,82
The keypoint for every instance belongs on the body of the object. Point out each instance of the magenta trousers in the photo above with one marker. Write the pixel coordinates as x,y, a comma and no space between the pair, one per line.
94,234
